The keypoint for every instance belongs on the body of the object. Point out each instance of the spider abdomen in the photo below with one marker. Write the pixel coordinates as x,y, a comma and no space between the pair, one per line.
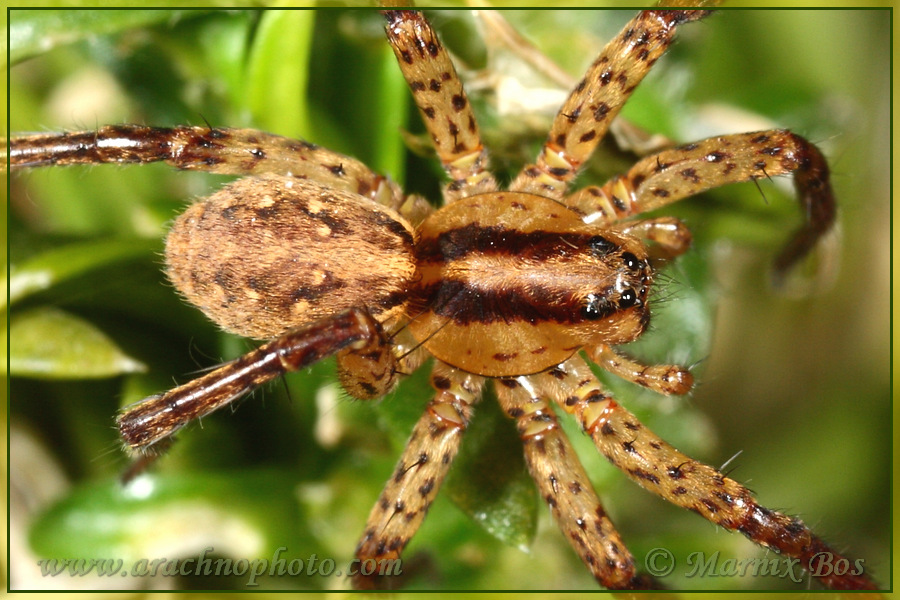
263,255
513,283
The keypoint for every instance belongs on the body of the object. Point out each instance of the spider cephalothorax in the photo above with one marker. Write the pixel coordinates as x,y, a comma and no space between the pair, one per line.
529,274
318,255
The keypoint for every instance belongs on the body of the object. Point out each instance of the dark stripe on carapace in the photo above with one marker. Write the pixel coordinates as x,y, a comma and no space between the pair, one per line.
463,304
498,240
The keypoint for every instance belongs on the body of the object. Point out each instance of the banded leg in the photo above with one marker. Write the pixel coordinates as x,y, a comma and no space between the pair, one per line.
660,468
223,151
597,99
150,421
565,487
442,101
433,445
687,170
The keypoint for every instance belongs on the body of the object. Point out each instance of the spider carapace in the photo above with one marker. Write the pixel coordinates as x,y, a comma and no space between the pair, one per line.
318,255
528,274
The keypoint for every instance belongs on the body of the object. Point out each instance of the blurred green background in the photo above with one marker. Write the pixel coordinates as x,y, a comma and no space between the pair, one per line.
799,385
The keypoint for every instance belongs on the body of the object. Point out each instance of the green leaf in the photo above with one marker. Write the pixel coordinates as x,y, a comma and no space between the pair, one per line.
34,31
50,343
275,89
389,109
244,514
44,270
490,482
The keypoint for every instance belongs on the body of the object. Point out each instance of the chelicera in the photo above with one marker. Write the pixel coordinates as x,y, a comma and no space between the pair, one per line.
318,255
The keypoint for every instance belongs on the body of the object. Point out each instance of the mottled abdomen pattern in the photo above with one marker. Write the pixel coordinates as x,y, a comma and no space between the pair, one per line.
263,255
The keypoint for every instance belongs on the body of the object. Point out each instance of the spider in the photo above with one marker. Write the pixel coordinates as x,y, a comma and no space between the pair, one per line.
499,286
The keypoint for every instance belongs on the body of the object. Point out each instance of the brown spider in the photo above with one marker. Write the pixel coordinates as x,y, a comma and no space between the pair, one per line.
502,286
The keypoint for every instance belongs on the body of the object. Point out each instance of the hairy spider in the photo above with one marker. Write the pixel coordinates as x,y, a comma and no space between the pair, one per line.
499,286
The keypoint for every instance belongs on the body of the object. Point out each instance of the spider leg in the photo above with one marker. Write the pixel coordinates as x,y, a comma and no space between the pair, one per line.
566,489
145,424
663,379
681,172
372,372
597,99
442,101
660,468
422,468
213,150
671,235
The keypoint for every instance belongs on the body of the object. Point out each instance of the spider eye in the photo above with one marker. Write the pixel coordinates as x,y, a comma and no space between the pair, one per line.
597,307
601,246
628,298
631,261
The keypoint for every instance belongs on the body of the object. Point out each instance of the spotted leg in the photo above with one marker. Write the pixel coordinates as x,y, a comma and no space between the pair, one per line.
433,445
658,467
443,103
688,170
663,379
565,487
586,115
